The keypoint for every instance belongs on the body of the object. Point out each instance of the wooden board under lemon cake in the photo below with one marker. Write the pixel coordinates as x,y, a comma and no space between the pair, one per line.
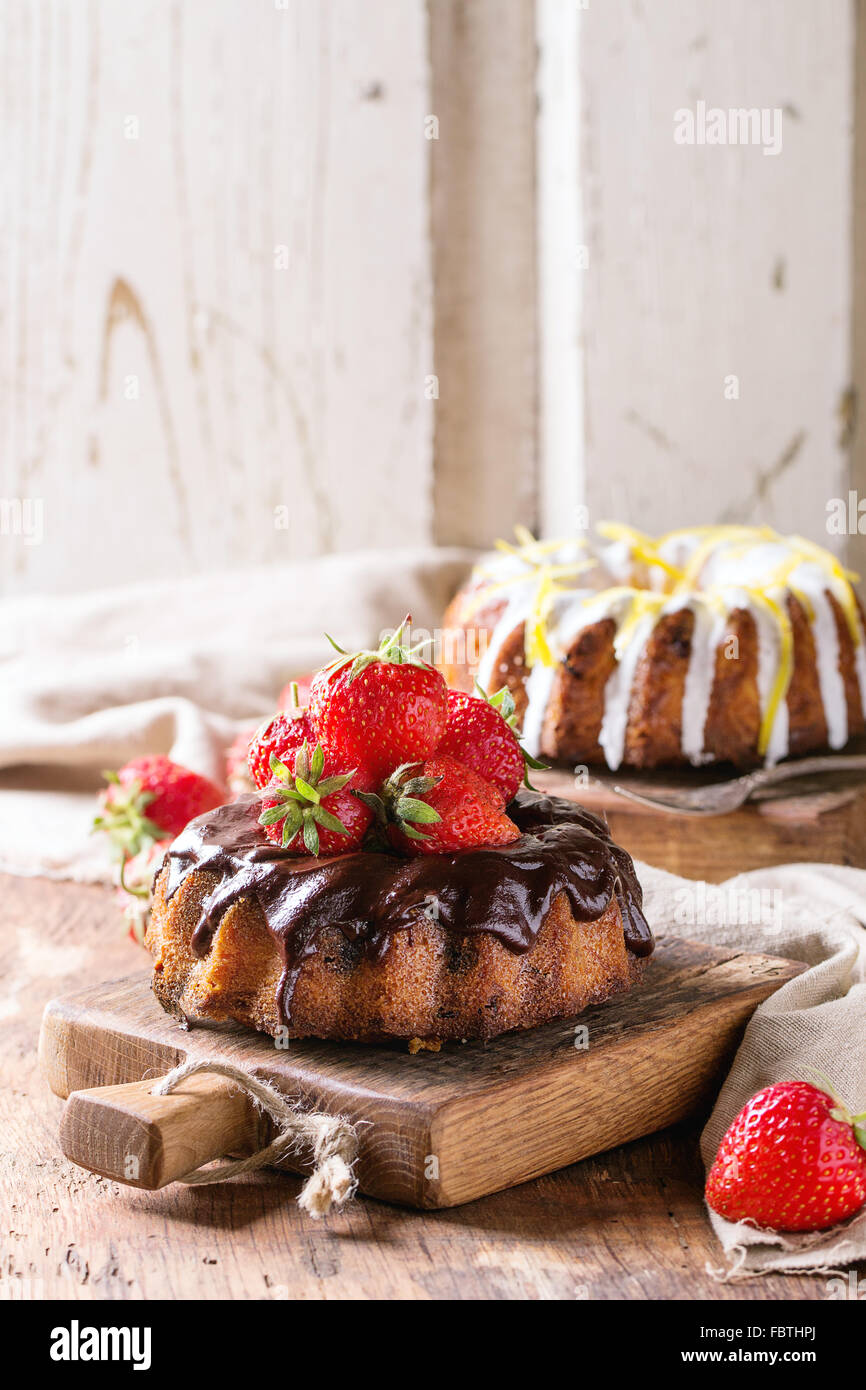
820,819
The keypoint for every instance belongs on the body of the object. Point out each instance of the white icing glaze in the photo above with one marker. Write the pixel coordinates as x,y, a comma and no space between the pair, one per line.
539,684
617,694
708,632
512,615
725,568
829,675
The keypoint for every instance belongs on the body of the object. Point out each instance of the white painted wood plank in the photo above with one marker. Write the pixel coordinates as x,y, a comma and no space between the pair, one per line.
217,299
709,261
484,249
562,265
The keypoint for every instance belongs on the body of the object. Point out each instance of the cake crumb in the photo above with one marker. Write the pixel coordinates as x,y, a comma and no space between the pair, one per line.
424,1045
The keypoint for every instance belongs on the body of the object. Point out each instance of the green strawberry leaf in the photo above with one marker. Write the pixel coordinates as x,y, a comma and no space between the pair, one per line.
328,821
290,830
311,835
333,784
375,803
123,820
417,786
135,892
279,769
391,649
413,834
306,789
503,703
408,808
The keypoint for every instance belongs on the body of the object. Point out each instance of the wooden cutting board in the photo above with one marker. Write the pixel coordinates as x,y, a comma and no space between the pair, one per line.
818,819
441,1128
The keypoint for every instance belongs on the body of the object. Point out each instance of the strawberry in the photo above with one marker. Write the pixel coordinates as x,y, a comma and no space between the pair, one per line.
794,1159
481,733
455,805
280,737
311,810
136,881
378,709
151,798
295,692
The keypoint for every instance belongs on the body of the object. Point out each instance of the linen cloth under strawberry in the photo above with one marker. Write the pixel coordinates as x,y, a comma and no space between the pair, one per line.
814,913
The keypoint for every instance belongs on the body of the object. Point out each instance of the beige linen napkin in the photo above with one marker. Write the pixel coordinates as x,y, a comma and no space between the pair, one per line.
815,913
90,680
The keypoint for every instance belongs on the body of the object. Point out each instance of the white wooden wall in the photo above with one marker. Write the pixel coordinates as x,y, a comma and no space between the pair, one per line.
698,263
215,296
232,262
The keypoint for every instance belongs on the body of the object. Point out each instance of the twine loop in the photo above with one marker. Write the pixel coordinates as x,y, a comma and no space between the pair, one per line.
332,1139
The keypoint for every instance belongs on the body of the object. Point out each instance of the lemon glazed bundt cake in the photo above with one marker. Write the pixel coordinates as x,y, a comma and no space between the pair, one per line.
714,644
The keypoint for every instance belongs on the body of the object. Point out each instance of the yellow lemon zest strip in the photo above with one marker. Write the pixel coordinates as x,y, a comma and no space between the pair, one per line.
643,547
785,669
839,581
541,572
536,645
714,536
643,602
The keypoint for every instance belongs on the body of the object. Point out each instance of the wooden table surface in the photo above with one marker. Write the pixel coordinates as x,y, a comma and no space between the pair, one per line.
628,1224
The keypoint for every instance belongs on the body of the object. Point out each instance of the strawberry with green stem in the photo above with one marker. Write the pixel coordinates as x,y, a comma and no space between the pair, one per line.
311,808
151,799
280,736
482,733
135,895
380,708
440,806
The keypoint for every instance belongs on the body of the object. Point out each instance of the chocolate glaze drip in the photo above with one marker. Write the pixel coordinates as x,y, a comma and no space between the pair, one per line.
506,890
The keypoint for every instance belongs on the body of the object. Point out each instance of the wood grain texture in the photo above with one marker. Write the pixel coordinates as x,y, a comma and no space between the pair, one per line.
218,300
482,208
630,1223
433,1130
703,262
821,820
146,1140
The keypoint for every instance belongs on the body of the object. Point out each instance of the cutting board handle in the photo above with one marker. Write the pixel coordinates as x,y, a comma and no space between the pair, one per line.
144,1140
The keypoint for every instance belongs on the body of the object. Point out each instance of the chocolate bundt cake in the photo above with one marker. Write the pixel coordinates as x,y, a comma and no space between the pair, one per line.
721,643
375,946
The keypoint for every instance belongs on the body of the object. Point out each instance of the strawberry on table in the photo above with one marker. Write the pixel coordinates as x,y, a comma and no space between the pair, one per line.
136,881
150,799
794,1159
311,808
439,806
481,732
378,709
